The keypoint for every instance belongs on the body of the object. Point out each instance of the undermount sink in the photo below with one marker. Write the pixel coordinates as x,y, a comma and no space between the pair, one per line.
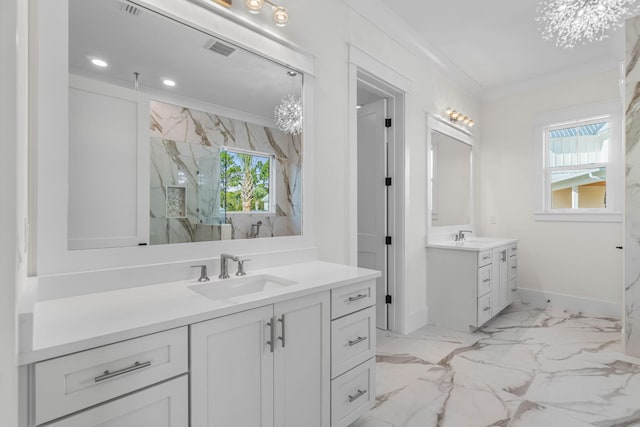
229,288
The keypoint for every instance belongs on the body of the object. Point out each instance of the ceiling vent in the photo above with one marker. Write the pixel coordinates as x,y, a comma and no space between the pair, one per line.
129,8
220,48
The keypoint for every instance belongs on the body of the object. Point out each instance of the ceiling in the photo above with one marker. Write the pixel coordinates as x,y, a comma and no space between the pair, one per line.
159,48
497,43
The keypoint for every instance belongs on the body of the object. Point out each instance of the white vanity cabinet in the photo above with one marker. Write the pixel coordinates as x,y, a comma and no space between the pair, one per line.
263,367
353,345
469,284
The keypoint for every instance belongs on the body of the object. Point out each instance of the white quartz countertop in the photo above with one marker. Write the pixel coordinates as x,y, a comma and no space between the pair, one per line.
472,243
67,325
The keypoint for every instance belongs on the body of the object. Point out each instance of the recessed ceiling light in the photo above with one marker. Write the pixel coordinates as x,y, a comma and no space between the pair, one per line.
169,82
99,62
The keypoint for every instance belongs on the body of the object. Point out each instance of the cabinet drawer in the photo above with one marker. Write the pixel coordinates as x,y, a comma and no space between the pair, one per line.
353,394
484,309
484,258
513,249
513,267
163,405
349,299
484,280
353,340
70,383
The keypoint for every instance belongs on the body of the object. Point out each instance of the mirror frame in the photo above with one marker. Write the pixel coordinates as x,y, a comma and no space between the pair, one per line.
50,130
435,123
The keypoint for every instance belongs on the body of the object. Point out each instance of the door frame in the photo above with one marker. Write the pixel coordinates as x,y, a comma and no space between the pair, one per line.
364,69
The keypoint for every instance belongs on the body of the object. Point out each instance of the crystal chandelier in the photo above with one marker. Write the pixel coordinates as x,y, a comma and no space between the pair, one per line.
580,21
288,114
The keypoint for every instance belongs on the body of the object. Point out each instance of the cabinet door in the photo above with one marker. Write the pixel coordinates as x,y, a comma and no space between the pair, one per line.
163,405
232,371
500,285
302,371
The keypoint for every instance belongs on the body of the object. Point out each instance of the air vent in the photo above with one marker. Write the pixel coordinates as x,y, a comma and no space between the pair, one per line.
129,8
221,48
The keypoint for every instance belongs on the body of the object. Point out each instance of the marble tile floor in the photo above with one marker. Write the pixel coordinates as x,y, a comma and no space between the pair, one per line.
526,368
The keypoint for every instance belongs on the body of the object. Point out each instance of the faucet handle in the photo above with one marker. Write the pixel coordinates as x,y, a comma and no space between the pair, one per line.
241,271
203,273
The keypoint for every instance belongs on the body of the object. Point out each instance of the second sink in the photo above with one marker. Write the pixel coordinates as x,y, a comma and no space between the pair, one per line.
229,288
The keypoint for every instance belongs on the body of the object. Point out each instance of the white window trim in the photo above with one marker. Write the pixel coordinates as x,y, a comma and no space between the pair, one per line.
615,167
272,179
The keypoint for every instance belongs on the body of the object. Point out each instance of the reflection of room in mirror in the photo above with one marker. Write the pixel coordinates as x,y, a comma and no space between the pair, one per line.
185,150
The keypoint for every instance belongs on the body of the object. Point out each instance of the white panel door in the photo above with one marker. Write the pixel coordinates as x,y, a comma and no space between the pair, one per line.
163,405
232,371
372,199
302,362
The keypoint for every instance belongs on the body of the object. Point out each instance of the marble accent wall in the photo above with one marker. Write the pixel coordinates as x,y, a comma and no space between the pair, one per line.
632,180
185,147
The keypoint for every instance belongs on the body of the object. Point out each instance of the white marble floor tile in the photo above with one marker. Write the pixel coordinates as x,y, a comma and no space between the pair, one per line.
526,368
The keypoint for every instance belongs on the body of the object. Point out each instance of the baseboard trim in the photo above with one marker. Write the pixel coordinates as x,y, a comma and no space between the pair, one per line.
416,320
588,306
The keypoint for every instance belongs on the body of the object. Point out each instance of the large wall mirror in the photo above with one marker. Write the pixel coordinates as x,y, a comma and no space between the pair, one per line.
450,175
173,135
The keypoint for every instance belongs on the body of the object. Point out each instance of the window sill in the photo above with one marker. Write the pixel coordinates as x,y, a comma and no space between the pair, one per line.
578,217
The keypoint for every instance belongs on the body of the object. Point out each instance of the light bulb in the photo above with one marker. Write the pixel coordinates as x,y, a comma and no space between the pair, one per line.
471,123
280,16
254,6
449,111
99,62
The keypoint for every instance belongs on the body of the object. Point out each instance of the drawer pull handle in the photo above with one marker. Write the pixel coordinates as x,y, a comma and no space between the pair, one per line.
513,266
486,309
106,375
356,341
358,394
486,257
357,297
513,290
486,280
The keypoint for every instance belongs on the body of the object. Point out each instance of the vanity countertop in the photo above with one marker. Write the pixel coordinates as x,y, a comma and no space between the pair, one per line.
66,325
472,244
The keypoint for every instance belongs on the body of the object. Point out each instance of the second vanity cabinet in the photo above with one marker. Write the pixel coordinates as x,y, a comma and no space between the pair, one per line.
263,367
469,285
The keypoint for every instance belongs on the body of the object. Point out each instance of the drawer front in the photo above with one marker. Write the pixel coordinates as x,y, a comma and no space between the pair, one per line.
484,258
352,298
484,280
163,405
70,383
513,267
353,394
353,340
484,309
512,290
513,249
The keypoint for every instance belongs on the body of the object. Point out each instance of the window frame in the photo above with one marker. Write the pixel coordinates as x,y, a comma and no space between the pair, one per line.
272,180
611,112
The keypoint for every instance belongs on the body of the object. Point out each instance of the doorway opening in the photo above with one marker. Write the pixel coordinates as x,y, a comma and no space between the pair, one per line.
380,195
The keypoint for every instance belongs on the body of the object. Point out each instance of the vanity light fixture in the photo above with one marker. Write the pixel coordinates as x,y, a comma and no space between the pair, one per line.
280,14
99,62
570,22
459,118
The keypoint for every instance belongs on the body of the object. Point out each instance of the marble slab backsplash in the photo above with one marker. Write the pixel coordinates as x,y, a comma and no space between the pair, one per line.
185,147
632,183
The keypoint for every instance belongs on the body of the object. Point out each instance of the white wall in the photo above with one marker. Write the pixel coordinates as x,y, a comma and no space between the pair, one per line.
570,258
13,190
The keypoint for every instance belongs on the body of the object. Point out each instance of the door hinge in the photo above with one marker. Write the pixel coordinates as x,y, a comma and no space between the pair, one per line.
387,240
387,299
387,181
387,123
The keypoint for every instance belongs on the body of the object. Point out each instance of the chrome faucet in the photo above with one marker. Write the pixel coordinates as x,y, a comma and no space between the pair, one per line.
224,267
203,273
460,236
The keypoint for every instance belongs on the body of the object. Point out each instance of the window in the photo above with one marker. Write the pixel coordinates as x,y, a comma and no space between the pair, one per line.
246,181
580,166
